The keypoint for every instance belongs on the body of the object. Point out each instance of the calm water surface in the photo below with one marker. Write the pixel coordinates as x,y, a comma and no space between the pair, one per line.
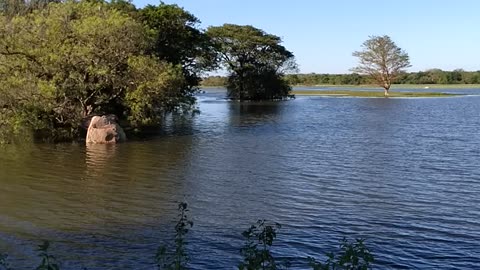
402,173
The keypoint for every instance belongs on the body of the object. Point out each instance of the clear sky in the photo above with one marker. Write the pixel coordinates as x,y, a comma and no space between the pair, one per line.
323,34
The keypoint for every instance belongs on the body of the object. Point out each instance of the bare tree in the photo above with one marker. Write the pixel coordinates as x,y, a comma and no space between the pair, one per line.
381,59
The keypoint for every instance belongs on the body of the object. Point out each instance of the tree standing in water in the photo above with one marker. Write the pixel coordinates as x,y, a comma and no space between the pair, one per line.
256,62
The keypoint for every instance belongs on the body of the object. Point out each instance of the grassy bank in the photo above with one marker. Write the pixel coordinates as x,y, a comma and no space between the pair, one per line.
353,93
400,86
369,86
435,86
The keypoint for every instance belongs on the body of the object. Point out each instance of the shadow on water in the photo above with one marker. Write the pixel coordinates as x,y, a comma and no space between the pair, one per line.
245,114
172,125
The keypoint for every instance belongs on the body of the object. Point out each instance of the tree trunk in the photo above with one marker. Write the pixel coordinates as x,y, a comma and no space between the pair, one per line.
386,86
386,92
242,87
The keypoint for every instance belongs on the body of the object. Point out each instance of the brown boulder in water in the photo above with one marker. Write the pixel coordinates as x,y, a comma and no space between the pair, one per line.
105,130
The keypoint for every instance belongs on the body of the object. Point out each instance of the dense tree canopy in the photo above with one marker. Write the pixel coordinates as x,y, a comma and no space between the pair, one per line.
256,61
18,7
381,59
178,40
70,60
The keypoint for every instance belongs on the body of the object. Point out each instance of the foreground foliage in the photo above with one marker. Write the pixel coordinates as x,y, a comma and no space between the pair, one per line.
352,256
257,251
3,262
48,261
176,258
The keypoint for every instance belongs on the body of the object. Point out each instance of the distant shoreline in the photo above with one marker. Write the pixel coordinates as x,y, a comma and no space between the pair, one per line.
399,86
394,86
358,92
373,94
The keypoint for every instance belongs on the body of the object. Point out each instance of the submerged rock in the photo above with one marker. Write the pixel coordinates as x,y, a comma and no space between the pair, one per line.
105,130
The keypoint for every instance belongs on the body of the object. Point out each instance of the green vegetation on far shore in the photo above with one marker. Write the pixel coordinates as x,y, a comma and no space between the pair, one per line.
395,86
354,93
435,86
220,81
433,78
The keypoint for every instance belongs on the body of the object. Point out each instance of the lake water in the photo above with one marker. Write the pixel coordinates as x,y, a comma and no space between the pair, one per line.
402,173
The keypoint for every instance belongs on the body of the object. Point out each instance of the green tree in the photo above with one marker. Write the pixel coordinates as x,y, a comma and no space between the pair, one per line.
178,40
471,77
18,7
455,76
12,7
438,76
352,256
292,79
214,81
125,6
381,59
73,59
256,61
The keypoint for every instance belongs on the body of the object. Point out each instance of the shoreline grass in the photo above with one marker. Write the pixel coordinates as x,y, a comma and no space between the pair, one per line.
398,86
353,93
370,86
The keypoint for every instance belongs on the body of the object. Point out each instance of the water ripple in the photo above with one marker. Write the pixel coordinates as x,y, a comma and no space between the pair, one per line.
402,173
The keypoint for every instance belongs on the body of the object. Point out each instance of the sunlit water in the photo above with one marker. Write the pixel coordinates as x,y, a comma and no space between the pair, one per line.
402,173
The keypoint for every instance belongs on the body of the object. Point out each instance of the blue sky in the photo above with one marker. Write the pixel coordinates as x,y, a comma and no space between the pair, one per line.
323,34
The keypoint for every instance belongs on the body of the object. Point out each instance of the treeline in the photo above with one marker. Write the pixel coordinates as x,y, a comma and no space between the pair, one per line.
433,76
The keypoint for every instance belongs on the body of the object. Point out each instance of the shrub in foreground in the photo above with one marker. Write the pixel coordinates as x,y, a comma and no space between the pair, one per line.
256,252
